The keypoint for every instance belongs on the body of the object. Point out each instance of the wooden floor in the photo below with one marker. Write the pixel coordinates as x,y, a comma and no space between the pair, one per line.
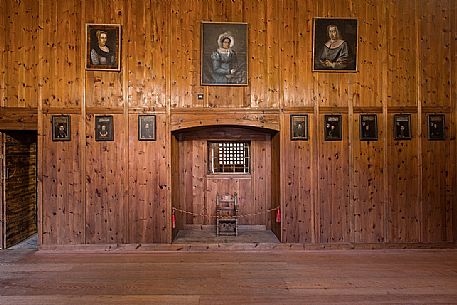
225,277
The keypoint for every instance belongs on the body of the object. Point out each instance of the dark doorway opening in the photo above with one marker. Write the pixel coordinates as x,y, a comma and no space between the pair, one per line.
19,188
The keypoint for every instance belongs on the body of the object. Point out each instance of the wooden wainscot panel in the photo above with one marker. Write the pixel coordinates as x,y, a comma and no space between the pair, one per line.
435,51
61,54
295,48
106,200
371,53
147,211
21,58
368,185
263,18
147,30
18,119
63,205
105,89
180,120
184,55
402,53
297,163
437,187
403,209
333,186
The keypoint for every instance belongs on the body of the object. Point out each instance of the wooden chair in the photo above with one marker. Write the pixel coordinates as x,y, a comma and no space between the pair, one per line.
226,214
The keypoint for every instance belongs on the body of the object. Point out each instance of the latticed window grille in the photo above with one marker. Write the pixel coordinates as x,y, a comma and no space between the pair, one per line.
229,157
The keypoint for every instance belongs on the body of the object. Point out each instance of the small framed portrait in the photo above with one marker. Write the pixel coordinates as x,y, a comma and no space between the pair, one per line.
368,127
61,128
104,129
147,127
298,127
436,127
402,126
103,47
335,44
224,54
333,127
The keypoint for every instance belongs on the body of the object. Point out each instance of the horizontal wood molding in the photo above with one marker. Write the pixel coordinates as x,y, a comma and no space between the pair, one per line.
18,118
209,118
104,110
402,109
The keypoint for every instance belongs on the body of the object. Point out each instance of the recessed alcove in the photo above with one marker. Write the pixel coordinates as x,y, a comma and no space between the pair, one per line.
196,184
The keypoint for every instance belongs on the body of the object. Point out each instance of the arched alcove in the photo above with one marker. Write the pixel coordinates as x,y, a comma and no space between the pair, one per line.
196,185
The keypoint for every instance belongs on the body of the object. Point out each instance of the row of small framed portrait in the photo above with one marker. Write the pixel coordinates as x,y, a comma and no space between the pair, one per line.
104,128
368,127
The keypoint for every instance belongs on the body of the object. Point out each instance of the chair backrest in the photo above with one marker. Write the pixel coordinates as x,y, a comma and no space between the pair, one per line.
227,204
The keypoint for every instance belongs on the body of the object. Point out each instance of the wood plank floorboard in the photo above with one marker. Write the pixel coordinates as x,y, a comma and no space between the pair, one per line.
228,277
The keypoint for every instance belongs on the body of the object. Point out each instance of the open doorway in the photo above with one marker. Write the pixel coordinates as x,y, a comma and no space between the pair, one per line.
225,160
18,198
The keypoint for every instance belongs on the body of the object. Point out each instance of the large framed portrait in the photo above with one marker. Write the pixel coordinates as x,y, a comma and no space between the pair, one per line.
298,127
104,129
224,54
335,44
436,127
103,47
147,127
368,127
333,127
402,127
61,128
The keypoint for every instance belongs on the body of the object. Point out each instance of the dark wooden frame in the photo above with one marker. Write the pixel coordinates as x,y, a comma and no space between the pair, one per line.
336,133
405,121
142,121
113,32
295,121
436,127
211,33
368,130
64,122
348,29
104,121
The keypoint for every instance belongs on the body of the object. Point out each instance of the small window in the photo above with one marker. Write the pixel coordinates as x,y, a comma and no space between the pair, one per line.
229,157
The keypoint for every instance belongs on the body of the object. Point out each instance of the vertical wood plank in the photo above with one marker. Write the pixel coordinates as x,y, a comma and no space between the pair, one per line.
106,201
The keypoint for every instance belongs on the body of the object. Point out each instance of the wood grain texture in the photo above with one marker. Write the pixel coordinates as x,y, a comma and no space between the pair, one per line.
18,118
147,212
206,278
62,44
106,192
298,165
407,63
367,190
63,213
104,89
21,54
435,56
333,186
436,187
146,36
402,47
403,207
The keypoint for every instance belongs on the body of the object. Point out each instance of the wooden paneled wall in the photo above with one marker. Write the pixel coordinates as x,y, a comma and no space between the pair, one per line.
383,191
